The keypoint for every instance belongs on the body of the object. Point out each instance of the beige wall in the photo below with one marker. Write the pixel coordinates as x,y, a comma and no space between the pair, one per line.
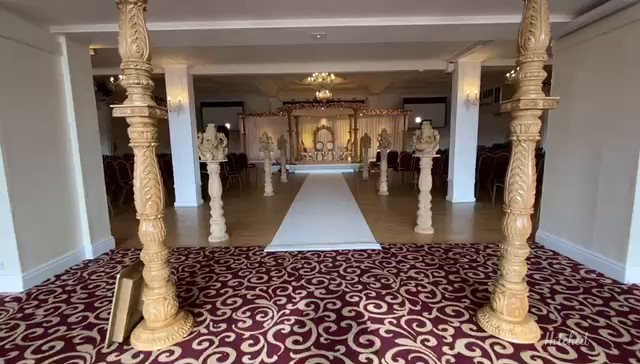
593,143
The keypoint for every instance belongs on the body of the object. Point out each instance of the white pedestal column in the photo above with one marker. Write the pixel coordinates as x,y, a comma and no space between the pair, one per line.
425,181
365,163
217,224
268,185
283,169
383,189
182,130
464,132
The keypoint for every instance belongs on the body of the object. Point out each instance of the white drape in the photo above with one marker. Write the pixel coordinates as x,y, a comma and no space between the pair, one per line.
254,126
276,126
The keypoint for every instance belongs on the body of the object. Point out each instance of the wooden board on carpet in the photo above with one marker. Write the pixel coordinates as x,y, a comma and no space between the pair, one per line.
126,310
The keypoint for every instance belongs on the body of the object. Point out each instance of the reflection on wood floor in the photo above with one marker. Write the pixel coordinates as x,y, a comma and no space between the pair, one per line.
252,219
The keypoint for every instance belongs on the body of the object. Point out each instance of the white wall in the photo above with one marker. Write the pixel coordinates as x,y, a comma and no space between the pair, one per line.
40,169
593,143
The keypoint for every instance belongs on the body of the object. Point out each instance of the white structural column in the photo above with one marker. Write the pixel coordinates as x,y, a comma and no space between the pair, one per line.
182,129
464,131
218,227
84,138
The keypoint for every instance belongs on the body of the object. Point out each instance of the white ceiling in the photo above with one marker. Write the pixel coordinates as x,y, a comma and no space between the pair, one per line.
74,12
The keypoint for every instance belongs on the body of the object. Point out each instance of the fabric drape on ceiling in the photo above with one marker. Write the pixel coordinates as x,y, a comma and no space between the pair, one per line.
254,126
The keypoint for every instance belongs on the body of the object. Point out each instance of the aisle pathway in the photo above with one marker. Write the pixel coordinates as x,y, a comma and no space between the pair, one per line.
323,216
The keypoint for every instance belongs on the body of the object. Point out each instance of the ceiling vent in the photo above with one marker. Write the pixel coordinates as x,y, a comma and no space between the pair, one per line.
318,37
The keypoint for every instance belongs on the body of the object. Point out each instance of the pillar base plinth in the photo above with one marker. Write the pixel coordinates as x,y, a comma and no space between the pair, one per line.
383,193
218,239
424,230
525,331
148,338
267,194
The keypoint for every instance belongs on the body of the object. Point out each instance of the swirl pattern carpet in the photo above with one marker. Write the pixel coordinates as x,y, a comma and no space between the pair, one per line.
402,304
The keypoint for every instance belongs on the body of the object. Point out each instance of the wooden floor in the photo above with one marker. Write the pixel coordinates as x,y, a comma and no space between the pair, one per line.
252,219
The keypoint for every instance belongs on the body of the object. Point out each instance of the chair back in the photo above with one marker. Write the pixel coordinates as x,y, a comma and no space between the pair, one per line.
500,167
110,172
243,160
233,161
123,172
378,158
392,158
405,161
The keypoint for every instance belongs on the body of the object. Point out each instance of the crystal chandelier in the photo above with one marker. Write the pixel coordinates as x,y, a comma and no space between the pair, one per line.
322,82
511,76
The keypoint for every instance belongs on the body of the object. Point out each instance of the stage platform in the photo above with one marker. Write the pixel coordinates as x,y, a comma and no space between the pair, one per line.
324,168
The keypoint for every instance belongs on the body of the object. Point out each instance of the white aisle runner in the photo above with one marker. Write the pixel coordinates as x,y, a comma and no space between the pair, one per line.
323,216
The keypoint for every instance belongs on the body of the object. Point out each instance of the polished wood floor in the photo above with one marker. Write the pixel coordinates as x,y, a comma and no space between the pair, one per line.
252,219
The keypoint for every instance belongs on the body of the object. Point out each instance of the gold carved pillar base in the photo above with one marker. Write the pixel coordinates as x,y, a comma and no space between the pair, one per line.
148,337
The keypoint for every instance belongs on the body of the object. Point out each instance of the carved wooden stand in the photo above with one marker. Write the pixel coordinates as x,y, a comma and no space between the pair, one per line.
507,315
424,224
383,189
365,163
268,185
163,323
217,224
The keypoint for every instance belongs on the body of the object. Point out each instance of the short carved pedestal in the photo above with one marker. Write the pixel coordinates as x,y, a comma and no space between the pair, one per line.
383,188
424,222
217,225
268,185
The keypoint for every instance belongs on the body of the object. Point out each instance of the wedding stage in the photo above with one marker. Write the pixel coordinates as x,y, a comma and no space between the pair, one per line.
324,168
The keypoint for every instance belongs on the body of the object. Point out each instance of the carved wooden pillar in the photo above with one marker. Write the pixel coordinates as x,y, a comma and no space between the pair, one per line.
507,314
290,125
298,146
355,136
383,188
217,223
244,134
163,323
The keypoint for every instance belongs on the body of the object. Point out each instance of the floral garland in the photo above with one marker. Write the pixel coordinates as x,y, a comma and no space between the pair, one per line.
260,114
322,105
371,112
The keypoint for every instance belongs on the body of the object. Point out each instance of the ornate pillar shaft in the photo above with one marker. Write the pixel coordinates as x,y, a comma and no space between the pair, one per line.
424,224
217,223
365,163
355,136
163,323
244,135
405,127
507,314
298,146
290,125
268,185
383,188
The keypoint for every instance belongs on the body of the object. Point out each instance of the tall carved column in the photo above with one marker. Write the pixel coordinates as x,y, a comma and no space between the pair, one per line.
163,324
217,223
298,146
405,127
384,144
355,136
267,147
507,314
290,125
244,134
365,144
427,142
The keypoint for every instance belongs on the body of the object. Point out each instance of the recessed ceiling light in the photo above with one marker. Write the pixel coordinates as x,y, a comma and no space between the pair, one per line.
319,36
420,70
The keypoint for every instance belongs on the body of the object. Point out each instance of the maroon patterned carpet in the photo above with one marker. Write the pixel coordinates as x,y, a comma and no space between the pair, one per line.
403,304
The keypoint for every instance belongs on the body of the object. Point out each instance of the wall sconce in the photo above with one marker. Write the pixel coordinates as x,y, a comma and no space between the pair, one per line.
472,100
418,120
174,108
227,125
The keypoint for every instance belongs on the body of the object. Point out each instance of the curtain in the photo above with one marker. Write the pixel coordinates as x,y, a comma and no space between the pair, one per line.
340,126
373,125
254,126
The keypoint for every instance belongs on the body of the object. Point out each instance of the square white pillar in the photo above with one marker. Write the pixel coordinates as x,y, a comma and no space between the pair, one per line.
463,143
182,133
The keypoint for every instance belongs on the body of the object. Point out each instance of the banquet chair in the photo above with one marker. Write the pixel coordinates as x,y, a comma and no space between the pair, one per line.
125,179
405,164
230,175
392,160
243,160
499,174
376,164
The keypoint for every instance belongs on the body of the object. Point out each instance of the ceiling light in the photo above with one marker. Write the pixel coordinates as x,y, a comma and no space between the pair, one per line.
319,36
418,120
420,70
322,82
228,125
